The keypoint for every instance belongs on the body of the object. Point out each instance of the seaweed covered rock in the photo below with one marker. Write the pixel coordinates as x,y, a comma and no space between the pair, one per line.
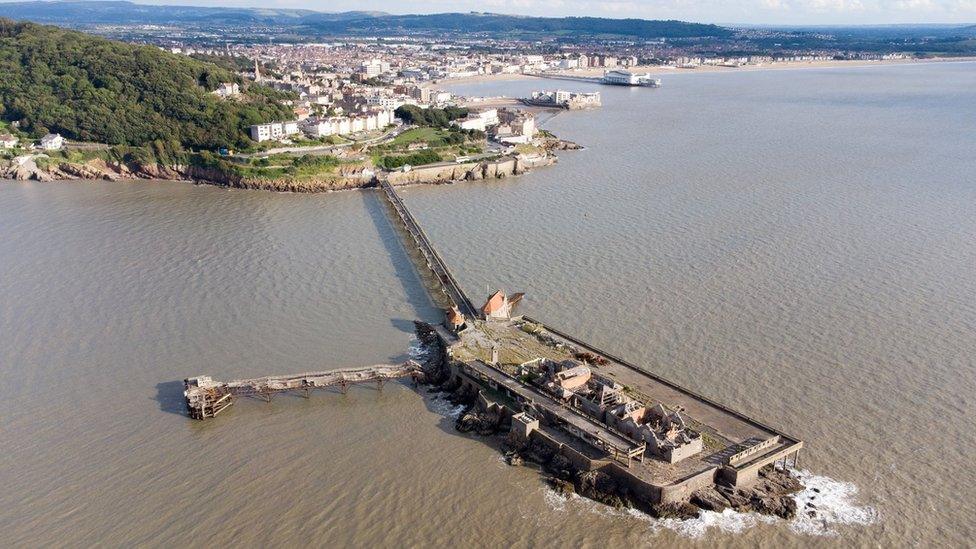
780,506
483,423
679,510
710,499
598,486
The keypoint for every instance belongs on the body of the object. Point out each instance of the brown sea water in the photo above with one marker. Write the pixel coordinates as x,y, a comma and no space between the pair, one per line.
799,244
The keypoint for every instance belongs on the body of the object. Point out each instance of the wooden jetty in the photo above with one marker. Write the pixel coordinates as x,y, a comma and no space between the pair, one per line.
206,397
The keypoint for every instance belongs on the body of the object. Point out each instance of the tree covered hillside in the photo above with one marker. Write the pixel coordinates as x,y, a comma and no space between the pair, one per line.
92,89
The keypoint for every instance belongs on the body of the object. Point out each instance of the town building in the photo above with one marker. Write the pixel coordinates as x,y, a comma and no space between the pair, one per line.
227,89
8,141
470,123
52,142
515,127
374,67
273,130
455,319
500,306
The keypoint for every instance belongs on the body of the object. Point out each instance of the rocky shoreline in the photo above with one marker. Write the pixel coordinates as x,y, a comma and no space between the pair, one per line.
771,495
25,168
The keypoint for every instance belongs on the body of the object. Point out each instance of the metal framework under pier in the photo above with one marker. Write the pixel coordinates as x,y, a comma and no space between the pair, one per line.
206,397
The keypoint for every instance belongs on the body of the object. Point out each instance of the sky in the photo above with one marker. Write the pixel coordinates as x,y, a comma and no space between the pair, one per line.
780,12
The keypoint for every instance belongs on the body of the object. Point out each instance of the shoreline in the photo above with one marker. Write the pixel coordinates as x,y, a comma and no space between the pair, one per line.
510,165
661,70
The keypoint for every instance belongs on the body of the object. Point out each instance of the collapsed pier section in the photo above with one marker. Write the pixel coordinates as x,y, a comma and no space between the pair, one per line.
206,397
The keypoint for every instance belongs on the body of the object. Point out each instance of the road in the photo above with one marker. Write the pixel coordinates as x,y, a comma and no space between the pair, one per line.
326,149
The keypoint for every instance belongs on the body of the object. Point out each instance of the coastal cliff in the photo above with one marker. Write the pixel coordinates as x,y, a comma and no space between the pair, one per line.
41,168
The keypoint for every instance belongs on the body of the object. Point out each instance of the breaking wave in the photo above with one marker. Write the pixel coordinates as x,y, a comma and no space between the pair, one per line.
418,351
825,503
446,408
822,505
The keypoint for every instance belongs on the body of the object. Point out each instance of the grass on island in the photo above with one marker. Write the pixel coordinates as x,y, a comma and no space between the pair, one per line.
528,148
276,166
439,145
434,137
419,158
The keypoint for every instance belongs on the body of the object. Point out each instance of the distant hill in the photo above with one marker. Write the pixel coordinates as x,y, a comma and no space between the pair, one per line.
92,89
75,13
509,24
119,12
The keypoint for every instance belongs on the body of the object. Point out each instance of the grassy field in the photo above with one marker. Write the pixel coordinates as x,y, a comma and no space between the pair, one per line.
435,137
442,144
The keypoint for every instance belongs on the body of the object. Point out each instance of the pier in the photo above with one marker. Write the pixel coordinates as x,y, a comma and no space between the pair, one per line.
595,409
206,397
433,259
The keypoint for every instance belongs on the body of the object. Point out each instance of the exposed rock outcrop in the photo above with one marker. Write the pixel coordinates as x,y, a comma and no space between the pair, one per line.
710,499
483,423
771,495
469,171
26,168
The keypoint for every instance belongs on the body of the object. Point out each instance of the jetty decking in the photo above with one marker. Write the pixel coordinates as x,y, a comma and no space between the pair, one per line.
206,397
433,259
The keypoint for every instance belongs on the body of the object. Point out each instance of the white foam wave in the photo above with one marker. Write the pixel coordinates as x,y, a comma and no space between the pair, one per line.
417,350
446,408
833,504
728,521
825,503
555,500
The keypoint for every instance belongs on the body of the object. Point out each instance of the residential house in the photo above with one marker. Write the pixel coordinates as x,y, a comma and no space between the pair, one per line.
227,89
8,141
52,142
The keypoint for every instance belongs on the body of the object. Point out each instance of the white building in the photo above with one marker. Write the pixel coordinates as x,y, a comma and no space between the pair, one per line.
227,89
516,127
370,122
470,123
387,102
320,99
8,141
52,142
273,130
489,116
568,63
374,67
343,126
318,128
627,78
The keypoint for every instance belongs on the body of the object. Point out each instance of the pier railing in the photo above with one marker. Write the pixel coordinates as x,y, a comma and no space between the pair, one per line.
206,397
433,259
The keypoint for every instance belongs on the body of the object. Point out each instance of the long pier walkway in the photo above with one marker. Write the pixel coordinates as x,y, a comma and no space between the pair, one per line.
206,397
451,287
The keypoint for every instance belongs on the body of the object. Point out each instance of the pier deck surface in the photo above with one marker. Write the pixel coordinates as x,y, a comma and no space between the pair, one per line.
434,261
